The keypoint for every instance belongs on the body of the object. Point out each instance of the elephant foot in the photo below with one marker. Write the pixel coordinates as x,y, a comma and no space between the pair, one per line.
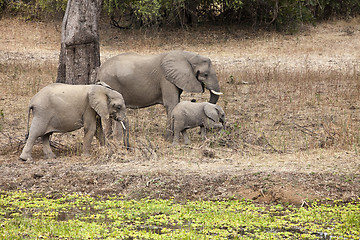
168,136
25,157
50,156
102,142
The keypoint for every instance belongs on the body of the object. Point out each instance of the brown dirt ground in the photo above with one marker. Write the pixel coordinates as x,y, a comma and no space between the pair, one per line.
198,171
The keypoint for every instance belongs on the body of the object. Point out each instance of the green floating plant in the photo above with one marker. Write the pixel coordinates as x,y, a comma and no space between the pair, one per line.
77,216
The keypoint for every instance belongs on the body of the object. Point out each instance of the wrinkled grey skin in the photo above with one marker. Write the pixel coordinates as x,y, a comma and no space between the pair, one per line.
188,115
64,108
146,80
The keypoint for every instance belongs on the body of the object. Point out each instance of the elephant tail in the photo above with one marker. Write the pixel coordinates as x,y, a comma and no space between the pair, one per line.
28,122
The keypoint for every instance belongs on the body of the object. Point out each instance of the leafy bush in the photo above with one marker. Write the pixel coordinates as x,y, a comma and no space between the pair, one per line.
33,9
2,6
283,15
280,14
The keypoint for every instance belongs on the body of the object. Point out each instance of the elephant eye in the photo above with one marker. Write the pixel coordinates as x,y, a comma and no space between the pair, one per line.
116,106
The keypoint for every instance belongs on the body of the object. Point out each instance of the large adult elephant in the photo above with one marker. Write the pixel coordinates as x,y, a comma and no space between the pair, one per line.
146,80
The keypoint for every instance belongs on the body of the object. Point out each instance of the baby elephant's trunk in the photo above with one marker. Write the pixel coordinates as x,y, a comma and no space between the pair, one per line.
218,125
223,124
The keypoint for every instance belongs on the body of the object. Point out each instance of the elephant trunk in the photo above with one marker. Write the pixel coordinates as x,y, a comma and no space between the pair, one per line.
224,125
213,86
214,96
125,128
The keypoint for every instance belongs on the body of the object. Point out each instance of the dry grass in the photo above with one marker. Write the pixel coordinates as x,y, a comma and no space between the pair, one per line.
268,110
295,110
270,107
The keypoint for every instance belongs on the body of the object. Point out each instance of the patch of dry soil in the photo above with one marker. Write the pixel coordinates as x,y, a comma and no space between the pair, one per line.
292,178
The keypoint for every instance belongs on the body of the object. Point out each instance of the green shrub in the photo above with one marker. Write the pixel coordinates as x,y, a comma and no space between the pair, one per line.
282,15
33,9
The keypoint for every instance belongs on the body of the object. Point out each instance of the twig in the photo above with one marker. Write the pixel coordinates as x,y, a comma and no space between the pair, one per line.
304,203
271,146
276,11
262,192
115,23
306,131
151,180
328,132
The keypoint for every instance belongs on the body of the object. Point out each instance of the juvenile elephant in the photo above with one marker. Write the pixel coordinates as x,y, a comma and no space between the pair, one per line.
187,115
64,108
146,80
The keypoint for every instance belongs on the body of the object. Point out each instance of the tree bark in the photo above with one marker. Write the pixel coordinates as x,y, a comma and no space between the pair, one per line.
80,52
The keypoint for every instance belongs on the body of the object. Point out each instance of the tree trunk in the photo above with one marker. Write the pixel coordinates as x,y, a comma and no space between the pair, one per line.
192,9
80,51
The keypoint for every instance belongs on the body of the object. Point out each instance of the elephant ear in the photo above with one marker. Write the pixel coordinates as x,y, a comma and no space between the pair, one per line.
179,71
211,112
98,100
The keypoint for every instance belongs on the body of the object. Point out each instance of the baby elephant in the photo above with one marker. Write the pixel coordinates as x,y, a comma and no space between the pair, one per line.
64,108
187,115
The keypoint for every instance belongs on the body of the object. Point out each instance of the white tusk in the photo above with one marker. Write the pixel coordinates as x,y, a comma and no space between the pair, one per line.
216,93
123,125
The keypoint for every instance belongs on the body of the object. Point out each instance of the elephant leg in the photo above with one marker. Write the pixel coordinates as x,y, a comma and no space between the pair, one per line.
89,132
108,125
186,137
48,153
177,127
176,138
168,133
171,97
100,136
37,129
203,132
26,152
